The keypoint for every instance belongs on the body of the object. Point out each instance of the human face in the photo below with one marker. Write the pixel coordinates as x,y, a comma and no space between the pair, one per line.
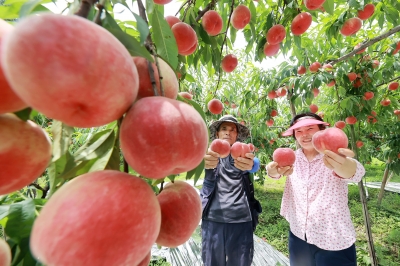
304,136
228,132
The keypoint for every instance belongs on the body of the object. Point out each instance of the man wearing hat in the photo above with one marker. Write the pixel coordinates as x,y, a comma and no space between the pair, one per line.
227,228
315,201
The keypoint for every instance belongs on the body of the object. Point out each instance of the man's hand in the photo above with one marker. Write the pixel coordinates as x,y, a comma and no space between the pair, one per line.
245,163
341,164
275,171
211,159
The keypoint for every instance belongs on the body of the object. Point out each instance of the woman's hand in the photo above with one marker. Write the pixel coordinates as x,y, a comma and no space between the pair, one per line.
275,171
341,164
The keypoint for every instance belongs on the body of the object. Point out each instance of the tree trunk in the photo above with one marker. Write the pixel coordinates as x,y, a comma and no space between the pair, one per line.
384,181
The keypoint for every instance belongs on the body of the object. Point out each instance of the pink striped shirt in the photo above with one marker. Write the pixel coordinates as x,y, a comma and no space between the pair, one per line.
315,203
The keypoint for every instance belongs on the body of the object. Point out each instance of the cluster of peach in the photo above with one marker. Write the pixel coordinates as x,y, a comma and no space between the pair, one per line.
105,217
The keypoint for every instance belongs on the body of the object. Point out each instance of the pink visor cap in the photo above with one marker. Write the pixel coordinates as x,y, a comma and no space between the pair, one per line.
303,123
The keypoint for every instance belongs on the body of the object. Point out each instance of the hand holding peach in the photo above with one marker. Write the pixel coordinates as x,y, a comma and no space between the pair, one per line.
341,163
245,163
275,171
211,159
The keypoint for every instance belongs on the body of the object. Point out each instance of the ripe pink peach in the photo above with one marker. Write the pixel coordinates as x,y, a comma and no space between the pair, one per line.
314,67
240,17
313,4
385,102
368,95
367,12
270,122
186,95
352,76
313,108
331,84
393,86
315,92
276,34
329,139
281,92
229,63
150,128
351,120
301,23
301,70
239,149
284,157
172,20
169,80
359,144
340,124
65,78
212,22
220,146
162,2
25,152
271,49
9,101
272,95
351,26
185,37
215,106
358,46
80,229
180,213
274,113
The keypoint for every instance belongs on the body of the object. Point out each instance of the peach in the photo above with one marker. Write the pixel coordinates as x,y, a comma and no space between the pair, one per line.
229,63
9,101
239,149
396,112
212,22
373,113
162,2
357,83
185,37
313,4
161,128
375,63
368,95
276,34
331,84
340,124
240,17
385,102
301,70
220,146
359,143
367,12
25,152
272,95
146,260
329,139
186,95
351,120
351,26
251,147
180,213
314,67
172,20
80,229
274,113
5,253
64,77
270,122
281,92
169,81
393,86
313,108
271,49
315,92
328,67
352,76
215,106
284,157
358,46
301,23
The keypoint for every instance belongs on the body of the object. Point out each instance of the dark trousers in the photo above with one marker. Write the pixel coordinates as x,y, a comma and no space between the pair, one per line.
303,254
227,244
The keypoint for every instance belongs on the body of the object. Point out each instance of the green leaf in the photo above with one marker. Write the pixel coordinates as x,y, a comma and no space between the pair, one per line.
20,220
24,114
142,27
232,31
62,134
114,161
4,211
89,150
329,6
198,171
164,39
130,43
297,41
189,77
30,5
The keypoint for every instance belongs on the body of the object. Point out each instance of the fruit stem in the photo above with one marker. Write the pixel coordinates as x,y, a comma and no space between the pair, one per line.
99,12
208,7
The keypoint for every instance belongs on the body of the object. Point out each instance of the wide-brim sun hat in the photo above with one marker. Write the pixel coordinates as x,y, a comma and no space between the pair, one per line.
243,131
303,123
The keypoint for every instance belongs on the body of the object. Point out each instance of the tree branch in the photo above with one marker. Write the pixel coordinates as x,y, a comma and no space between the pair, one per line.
384,83
100,8
85,7
222,45
367,44
44,190
187,2
210,5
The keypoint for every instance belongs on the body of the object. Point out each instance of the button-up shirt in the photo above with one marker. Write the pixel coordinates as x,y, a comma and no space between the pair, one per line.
315,203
